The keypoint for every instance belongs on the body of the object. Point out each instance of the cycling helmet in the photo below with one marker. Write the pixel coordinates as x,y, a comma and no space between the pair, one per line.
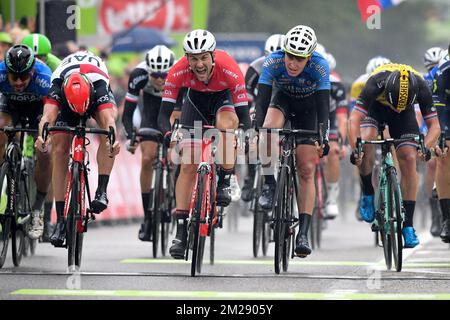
159,59
300,41
199,41
274,43
331,61
401,89
78,91
19,59
375,62
39,43
321,49
432,57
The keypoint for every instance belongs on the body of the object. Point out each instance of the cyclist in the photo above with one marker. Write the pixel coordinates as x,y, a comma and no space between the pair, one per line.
431,59
338,132
294,85
355,91
149,77
24,85
215,96
441,98
42,48
388,98
273,43
80,88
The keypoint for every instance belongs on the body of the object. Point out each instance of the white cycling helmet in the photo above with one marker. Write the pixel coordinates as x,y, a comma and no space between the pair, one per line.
321,49
199,41
432,57
375,62
274,43
300,41
331,61
159,59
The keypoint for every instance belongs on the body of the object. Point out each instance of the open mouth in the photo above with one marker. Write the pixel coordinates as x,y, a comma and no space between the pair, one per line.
201,72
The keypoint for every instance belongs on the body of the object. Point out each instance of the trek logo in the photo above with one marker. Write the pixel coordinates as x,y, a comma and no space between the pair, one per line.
403,92
230,73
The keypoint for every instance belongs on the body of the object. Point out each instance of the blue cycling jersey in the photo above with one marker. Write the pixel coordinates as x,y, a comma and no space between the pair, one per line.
430,75
314,77
36,90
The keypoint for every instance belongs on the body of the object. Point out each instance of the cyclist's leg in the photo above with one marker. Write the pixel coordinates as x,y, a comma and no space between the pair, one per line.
443,185
404,125
226,118
105,115
332,169
60,154
148,150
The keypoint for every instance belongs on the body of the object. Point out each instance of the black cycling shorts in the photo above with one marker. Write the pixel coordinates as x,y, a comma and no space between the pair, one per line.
301,113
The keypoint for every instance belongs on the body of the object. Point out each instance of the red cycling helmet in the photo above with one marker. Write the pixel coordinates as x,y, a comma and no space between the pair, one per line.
78,91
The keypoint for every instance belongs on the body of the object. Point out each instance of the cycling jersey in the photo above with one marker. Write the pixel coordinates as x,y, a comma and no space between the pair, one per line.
291,94
140,81
338,104
29,103
252,78
52,61
226,75
374,91
441,93
94,68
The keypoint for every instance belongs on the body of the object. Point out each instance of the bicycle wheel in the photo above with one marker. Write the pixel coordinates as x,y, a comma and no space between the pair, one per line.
385,239
17,243
212,242
166,213
200,253
158,197
71,225
29,247
288,217
279,228
5,220
195,223
395,219
258,217
267,231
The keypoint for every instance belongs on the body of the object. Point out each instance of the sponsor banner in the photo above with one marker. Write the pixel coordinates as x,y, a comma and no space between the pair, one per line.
243,51
115,16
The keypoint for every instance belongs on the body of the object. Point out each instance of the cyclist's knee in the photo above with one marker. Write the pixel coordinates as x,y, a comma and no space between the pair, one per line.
227,120
306,171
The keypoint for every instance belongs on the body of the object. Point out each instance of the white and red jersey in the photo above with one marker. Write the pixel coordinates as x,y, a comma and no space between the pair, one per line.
225,75
84,62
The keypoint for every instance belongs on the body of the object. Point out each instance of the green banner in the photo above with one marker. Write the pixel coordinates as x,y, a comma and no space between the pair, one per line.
23,8
200,9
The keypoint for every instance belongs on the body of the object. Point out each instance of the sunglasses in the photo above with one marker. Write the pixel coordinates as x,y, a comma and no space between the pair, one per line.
22,77
298,58
161,75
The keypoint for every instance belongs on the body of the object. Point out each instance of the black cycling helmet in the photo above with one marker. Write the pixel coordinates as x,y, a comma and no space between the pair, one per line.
19,59
401,89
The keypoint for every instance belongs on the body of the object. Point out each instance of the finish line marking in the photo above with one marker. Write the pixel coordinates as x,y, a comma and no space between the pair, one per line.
228,295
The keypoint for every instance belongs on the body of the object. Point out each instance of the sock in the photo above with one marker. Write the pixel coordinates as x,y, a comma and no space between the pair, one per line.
59,205
181,214
40,198
304,221
269,179
225,175
409,212
333,191
48,211
434,204
445,208
366,185
103,180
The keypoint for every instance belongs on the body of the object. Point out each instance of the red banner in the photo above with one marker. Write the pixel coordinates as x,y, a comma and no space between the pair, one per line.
174,15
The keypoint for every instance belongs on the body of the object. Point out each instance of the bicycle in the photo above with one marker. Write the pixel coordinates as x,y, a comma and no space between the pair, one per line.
284,222
389,210
77,216
163,190
203,211
318,216
15,208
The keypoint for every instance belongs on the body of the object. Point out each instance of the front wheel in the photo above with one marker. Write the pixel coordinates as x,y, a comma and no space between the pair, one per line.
5,220
395,219
74,241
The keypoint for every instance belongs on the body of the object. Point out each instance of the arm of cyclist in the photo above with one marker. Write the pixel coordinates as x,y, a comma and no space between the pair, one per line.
262,103
323,115
439,102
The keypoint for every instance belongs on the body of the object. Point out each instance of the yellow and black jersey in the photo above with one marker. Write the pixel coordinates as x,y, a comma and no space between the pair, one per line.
373,91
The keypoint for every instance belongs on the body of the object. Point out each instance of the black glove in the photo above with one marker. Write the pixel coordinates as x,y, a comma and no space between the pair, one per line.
353,157
167,138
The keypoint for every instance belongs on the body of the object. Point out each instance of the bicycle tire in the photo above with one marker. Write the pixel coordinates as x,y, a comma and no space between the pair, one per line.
156,210
200,253
395,219
74,207
266,234
195,223
258,219
212,243
25,184
288,205
166,221
278,225
385,240
17,243
5,221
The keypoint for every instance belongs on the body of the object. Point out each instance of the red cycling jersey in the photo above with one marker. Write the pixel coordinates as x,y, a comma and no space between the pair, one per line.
226,75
